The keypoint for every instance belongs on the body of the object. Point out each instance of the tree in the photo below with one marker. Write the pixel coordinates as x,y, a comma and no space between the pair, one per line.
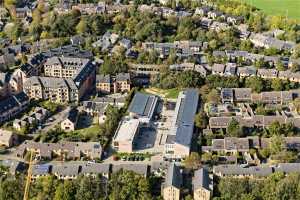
295,67
277,84
201,120
193,161
296,52
85,189
234,129
255,83
213,96
260,63
82,26
13,30
276,144
128,185
297,104
279,66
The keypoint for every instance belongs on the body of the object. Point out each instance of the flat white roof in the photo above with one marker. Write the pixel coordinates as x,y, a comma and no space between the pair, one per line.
127,130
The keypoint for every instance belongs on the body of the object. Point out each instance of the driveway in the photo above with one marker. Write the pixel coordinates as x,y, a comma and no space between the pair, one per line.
57,118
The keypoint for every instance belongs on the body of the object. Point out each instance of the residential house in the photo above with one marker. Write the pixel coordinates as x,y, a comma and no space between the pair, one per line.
213,14
267,73
230,69
94,169
40,171
104,83
4,85
7,138
126,43
70,123
247,71
37,116
66,171
107,84
218,69
203,11
122,82
235,95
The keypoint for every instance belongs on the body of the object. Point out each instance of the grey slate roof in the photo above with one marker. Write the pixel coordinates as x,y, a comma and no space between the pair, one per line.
72,115
287,167
40,170
142,104
185,117
95,168
13,101
236,170
123,77
173,176
66,169
101,78
201,179
141,169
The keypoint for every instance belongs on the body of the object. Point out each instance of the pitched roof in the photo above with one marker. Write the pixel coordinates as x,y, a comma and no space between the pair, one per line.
142,104
173,176
201,179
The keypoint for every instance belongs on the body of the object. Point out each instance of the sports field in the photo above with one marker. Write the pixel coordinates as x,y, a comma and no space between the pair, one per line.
291,8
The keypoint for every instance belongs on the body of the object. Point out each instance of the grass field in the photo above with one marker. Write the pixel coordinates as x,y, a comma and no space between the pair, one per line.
169,93
278,7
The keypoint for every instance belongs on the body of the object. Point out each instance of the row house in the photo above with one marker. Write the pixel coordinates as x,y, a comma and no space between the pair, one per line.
252,121
261,40
66,150
90,8
235,145
69,171
256,171
231,69
180,47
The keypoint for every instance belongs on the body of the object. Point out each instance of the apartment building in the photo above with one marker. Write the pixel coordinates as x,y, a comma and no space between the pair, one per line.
53,89
107,84
66,80
64,67
12,106
202,185
171,188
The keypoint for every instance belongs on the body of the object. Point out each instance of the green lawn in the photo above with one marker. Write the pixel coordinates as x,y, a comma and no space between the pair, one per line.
278,7
167,93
